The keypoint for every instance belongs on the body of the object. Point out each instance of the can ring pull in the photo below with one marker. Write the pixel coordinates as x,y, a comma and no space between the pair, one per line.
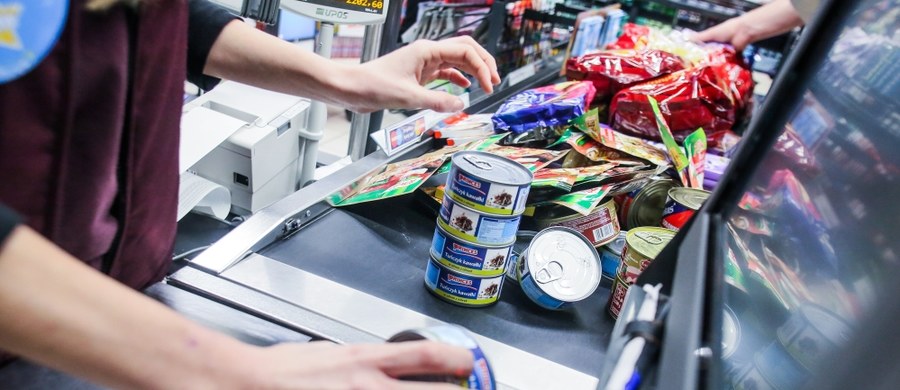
548,273
650,238
474,160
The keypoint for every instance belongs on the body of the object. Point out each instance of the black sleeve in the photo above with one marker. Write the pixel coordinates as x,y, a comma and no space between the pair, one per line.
8,221
205,22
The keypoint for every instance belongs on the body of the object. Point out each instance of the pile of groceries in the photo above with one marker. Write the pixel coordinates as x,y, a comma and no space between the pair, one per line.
596,173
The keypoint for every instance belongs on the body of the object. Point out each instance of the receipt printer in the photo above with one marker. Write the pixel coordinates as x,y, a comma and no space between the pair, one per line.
259,162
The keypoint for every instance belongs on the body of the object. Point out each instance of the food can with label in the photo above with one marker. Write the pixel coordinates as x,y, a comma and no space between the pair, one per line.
468,257
681,205
474,226
599,227
560,266
642,245
611,255
481,378
461,289
617,297
644,206
488,183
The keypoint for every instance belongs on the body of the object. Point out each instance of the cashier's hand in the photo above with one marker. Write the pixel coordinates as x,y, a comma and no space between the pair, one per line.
324,365
396,80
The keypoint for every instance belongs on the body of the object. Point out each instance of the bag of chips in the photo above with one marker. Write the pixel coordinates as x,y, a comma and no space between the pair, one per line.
614,70
688,99
547,106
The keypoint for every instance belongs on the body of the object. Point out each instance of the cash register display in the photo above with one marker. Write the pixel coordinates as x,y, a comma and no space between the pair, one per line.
815,239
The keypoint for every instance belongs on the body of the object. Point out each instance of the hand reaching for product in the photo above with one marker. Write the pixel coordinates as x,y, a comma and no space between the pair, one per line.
396,80
323,365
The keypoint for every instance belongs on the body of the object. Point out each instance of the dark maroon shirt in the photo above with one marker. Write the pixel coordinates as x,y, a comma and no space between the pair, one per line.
89,138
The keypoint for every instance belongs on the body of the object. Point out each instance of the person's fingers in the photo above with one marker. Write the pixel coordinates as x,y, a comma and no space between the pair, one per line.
483,53
740,41
424,358
466,58
435,100
454,76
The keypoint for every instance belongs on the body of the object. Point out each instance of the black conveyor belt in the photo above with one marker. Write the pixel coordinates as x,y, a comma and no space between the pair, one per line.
381,248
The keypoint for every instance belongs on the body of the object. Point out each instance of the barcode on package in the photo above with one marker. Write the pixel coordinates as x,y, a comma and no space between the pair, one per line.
603,232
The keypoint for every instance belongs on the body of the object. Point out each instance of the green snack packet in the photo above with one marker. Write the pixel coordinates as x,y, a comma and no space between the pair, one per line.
583,202
675,154
695,148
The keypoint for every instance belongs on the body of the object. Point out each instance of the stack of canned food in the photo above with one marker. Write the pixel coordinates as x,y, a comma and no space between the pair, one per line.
483,202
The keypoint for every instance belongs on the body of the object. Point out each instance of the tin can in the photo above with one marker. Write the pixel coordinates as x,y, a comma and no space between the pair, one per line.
488,183
811,334
599,227
461,289
473,226
512,269
642,245
559,267
481,378
681,205
611,256
644,206
772,368
617,297
469,257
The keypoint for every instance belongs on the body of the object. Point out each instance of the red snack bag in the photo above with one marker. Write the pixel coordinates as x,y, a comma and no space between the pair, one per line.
688,99
631,35
613,70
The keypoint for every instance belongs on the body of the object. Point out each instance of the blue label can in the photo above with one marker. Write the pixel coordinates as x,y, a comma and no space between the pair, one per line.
468,257
481,378
560,266
488,183
473,226
461,289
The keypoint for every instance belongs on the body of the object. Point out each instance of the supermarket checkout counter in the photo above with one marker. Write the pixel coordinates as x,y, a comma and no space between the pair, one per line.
356,274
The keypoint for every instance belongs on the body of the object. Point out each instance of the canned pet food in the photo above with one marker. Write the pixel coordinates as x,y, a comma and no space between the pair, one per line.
644,206
512,269
461,289
559,267
611,256
811,334
681,206
599,227
468,257
617,297
488,183
481,378
473,226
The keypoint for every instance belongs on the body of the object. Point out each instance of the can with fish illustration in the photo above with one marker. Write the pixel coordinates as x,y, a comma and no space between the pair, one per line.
474,226
481,378
472,258
488,183
460,288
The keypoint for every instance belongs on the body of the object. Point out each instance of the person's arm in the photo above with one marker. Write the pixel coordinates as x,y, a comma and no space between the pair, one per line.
774,18
56,311
244,54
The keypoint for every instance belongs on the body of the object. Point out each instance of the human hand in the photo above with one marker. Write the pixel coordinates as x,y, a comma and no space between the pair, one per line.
396,80
323,365
732,31
776,17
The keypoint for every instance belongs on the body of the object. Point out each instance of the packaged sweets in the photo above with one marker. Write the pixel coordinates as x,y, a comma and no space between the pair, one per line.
614,70
590,125
689,99
547,106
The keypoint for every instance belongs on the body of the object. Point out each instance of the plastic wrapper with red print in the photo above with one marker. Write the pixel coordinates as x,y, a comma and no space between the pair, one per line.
614,70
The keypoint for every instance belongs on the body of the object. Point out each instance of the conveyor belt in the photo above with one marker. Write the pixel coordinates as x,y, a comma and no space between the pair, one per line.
381,248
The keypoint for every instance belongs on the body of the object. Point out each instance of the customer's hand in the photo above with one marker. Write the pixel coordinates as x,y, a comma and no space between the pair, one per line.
323,365
396,80
774,18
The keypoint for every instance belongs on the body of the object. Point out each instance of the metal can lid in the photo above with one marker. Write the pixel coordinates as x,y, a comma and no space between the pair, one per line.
618,243
492,168
692,198
646,210
731,332
563,264
648,241
828,324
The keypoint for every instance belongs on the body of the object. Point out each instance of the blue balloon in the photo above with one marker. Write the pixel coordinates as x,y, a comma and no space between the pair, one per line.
28,31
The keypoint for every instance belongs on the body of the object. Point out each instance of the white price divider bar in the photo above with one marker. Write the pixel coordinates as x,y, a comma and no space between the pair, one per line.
410,130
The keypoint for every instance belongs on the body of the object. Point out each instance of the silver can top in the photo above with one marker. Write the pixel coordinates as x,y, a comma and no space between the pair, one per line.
564,264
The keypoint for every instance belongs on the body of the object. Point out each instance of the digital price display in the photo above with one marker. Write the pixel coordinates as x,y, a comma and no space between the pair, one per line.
340,11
